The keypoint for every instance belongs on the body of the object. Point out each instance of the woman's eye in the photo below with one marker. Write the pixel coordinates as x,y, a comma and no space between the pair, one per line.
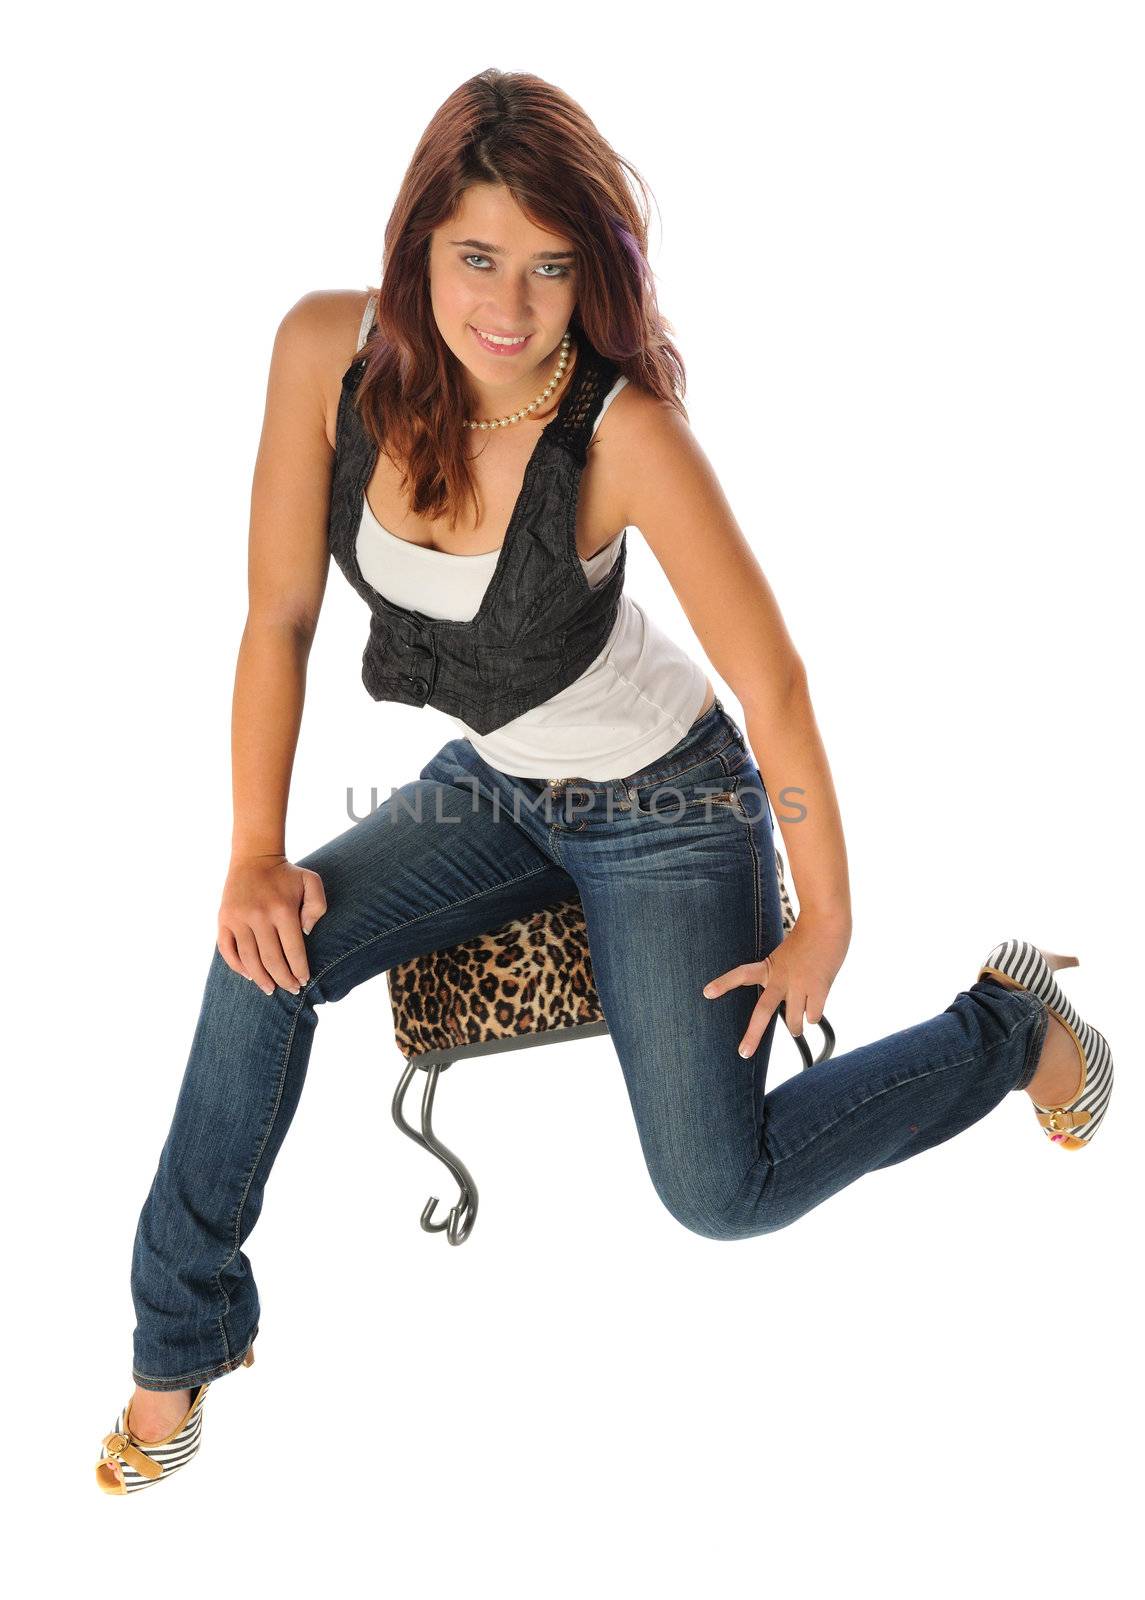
559,272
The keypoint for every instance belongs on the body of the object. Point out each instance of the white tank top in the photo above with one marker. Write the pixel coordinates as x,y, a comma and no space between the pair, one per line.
634,700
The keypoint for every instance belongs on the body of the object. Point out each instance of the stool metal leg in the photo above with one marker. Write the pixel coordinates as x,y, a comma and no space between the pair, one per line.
827,1047
462,1216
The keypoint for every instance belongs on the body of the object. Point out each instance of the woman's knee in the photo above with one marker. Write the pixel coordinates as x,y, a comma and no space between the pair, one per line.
693,1208
704,1210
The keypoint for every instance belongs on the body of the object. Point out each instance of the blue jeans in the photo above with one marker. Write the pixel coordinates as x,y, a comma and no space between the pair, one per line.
675,869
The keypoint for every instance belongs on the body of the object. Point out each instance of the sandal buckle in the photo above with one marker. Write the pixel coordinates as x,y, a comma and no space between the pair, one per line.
1063,1119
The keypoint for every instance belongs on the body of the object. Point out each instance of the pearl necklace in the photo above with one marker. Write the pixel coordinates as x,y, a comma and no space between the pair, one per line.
503,422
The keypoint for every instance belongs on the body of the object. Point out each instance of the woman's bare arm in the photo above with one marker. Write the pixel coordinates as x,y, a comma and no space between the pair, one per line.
268,904
675,499
287,566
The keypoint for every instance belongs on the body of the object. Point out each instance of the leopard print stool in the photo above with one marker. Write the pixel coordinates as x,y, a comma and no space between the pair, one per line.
526,983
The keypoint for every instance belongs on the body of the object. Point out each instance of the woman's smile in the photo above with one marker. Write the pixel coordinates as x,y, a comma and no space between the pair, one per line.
500,344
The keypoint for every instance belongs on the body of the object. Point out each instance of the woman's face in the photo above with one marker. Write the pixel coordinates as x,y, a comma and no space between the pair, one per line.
491,270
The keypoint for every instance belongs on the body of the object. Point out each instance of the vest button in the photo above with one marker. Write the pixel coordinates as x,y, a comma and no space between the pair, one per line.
418,685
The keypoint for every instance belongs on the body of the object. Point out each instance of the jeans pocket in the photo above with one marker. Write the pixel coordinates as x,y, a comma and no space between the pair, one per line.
704,789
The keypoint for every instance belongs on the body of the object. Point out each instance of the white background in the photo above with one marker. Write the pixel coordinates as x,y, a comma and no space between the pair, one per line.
900,246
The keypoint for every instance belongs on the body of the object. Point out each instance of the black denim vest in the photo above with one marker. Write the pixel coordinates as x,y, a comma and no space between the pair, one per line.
540,622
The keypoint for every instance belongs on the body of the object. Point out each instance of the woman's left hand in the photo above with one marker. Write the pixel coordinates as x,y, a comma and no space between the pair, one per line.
798,973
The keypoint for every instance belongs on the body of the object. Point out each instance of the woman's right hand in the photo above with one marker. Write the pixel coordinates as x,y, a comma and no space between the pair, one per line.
268,904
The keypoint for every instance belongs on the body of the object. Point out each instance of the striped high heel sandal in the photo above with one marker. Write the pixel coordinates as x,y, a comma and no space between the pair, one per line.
1019,965
127,1463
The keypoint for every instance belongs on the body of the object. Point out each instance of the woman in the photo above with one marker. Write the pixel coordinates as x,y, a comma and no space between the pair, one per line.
466,442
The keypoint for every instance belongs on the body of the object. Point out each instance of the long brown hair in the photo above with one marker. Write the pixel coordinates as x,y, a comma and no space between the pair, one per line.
510,128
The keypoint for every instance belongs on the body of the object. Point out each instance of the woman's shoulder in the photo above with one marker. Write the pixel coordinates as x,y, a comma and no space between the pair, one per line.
635,420
319,337
328,318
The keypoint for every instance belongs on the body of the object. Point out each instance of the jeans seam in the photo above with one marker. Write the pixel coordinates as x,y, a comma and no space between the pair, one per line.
756,868
757,895
890,1087
284,1068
